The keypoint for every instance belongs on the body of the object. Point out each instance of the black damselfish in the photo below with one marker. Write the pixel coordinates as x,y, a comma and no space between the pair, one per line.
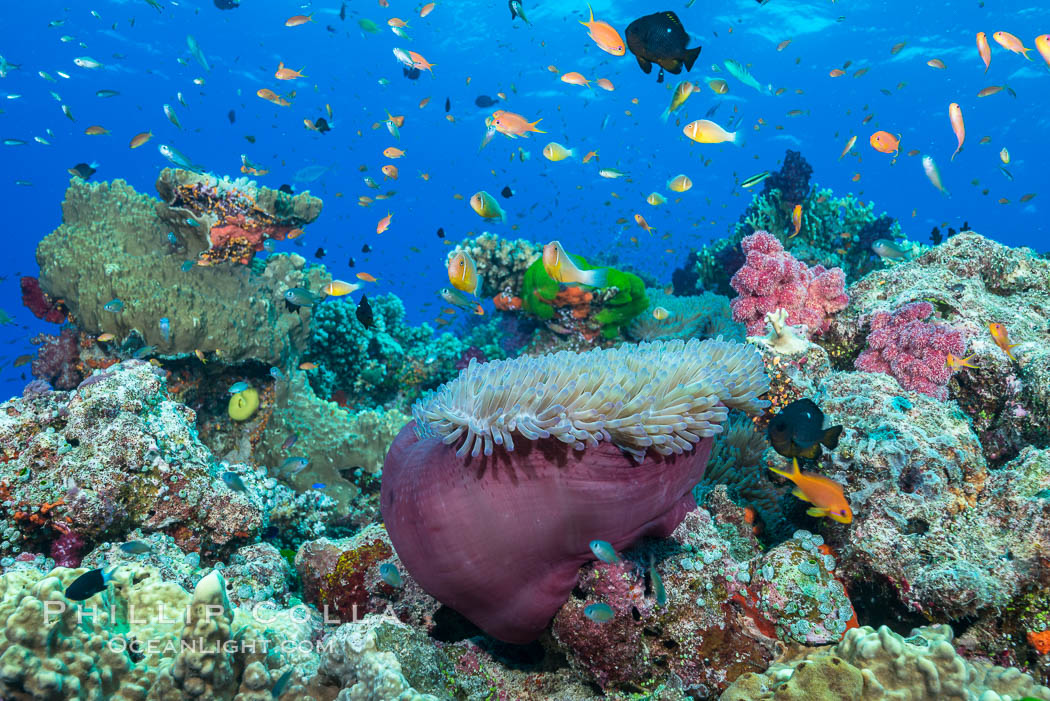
88,584
798,431
660,38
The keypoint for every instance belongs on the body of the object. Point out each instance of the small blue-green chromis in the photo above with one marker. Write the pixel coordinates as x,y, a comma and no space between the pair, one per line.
390,575
599,613
659,593
234,481
300,297
295,465
238,387
165,328
135,547
604,551
188,265
318,485
113,305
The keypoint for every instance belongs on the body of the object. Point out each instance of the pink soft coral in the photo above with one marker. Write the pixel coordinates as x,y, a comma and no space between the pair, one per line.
773,279
912,350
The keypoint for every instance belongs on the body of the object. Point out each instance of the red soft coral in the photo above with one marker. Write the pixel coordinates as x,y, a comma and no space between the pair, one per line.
773,279
912,350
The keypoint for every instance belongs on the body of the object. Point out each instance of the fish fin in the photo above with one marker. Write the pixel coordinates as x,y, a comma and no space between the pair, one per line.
588,22
645,65
796,492
477,288
831,437
1024,52
812,452
738,137
819,513
690,57
665,115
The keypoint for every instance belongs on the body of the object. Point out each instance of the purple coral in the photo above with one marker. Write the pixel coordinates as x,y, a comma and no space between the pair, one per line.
57,358
773,279
912,350
792,180
472,353
67,550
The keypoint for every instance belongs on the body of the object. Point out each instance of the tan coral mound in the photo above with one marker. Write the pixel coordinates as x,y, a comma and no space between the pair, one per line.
665,396
879,664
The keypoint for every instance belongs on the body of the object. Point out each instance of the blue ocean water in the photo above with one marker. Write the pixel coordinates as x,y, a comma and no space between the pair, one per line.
477,49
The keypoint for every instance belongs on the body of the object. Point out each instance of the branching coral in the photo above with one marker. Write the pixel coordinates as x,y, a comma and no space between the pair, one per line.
706,315
501,263
381,365
38,302
664,395
913,351
57,358
773,279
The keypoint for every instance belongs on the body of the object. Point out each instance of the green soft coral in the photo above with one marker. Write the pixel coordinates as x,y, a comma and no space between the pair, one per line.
625,303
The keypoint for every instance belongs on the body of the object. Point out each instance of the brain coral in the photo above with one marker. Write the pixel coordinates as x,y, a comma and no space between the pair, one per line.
456,518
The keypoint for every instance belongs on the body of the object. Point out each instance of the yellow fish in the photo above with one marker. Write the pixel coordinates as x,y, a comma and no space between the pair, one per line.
486,206
796,220
562,269
955,363
556,152
655,199
463,273
679,183
704,131
681,93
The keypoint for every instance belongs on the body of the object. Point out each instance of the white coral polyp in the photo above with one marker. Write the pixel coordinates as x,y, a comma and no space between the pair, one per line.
662,395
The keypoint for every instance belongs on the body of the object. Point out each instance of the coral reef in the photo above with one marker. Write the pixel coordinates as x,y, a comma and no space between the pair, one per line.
869,664
113,455
112,263
337,441
38,302
444,508
387,365
57,358
706,315
219,220
912,350
773,279
972,282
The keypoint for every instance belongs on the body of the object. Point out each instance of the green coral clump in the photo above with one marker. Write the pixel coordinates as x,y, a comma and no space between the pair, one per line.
391,364
619,301
386,365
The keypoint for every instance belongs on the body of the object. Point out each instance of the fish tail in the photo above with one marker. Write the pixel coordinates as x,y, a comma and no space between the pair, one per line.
831,437
477,288
665,115
954,154
532,126
795,472
738,138
1024,52
595,278
690,57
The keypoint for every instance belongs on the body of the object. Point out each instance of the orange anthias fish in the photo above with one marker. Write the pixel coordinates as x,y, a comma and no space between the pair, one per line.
513,125
607,38
640,220
366,277
384,223
421,63
824,494
955,115
1002,338
287,73
296,20
1011,43
271,96
984,50
393,152
426,9
574,78
885,142
796,220
954,363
